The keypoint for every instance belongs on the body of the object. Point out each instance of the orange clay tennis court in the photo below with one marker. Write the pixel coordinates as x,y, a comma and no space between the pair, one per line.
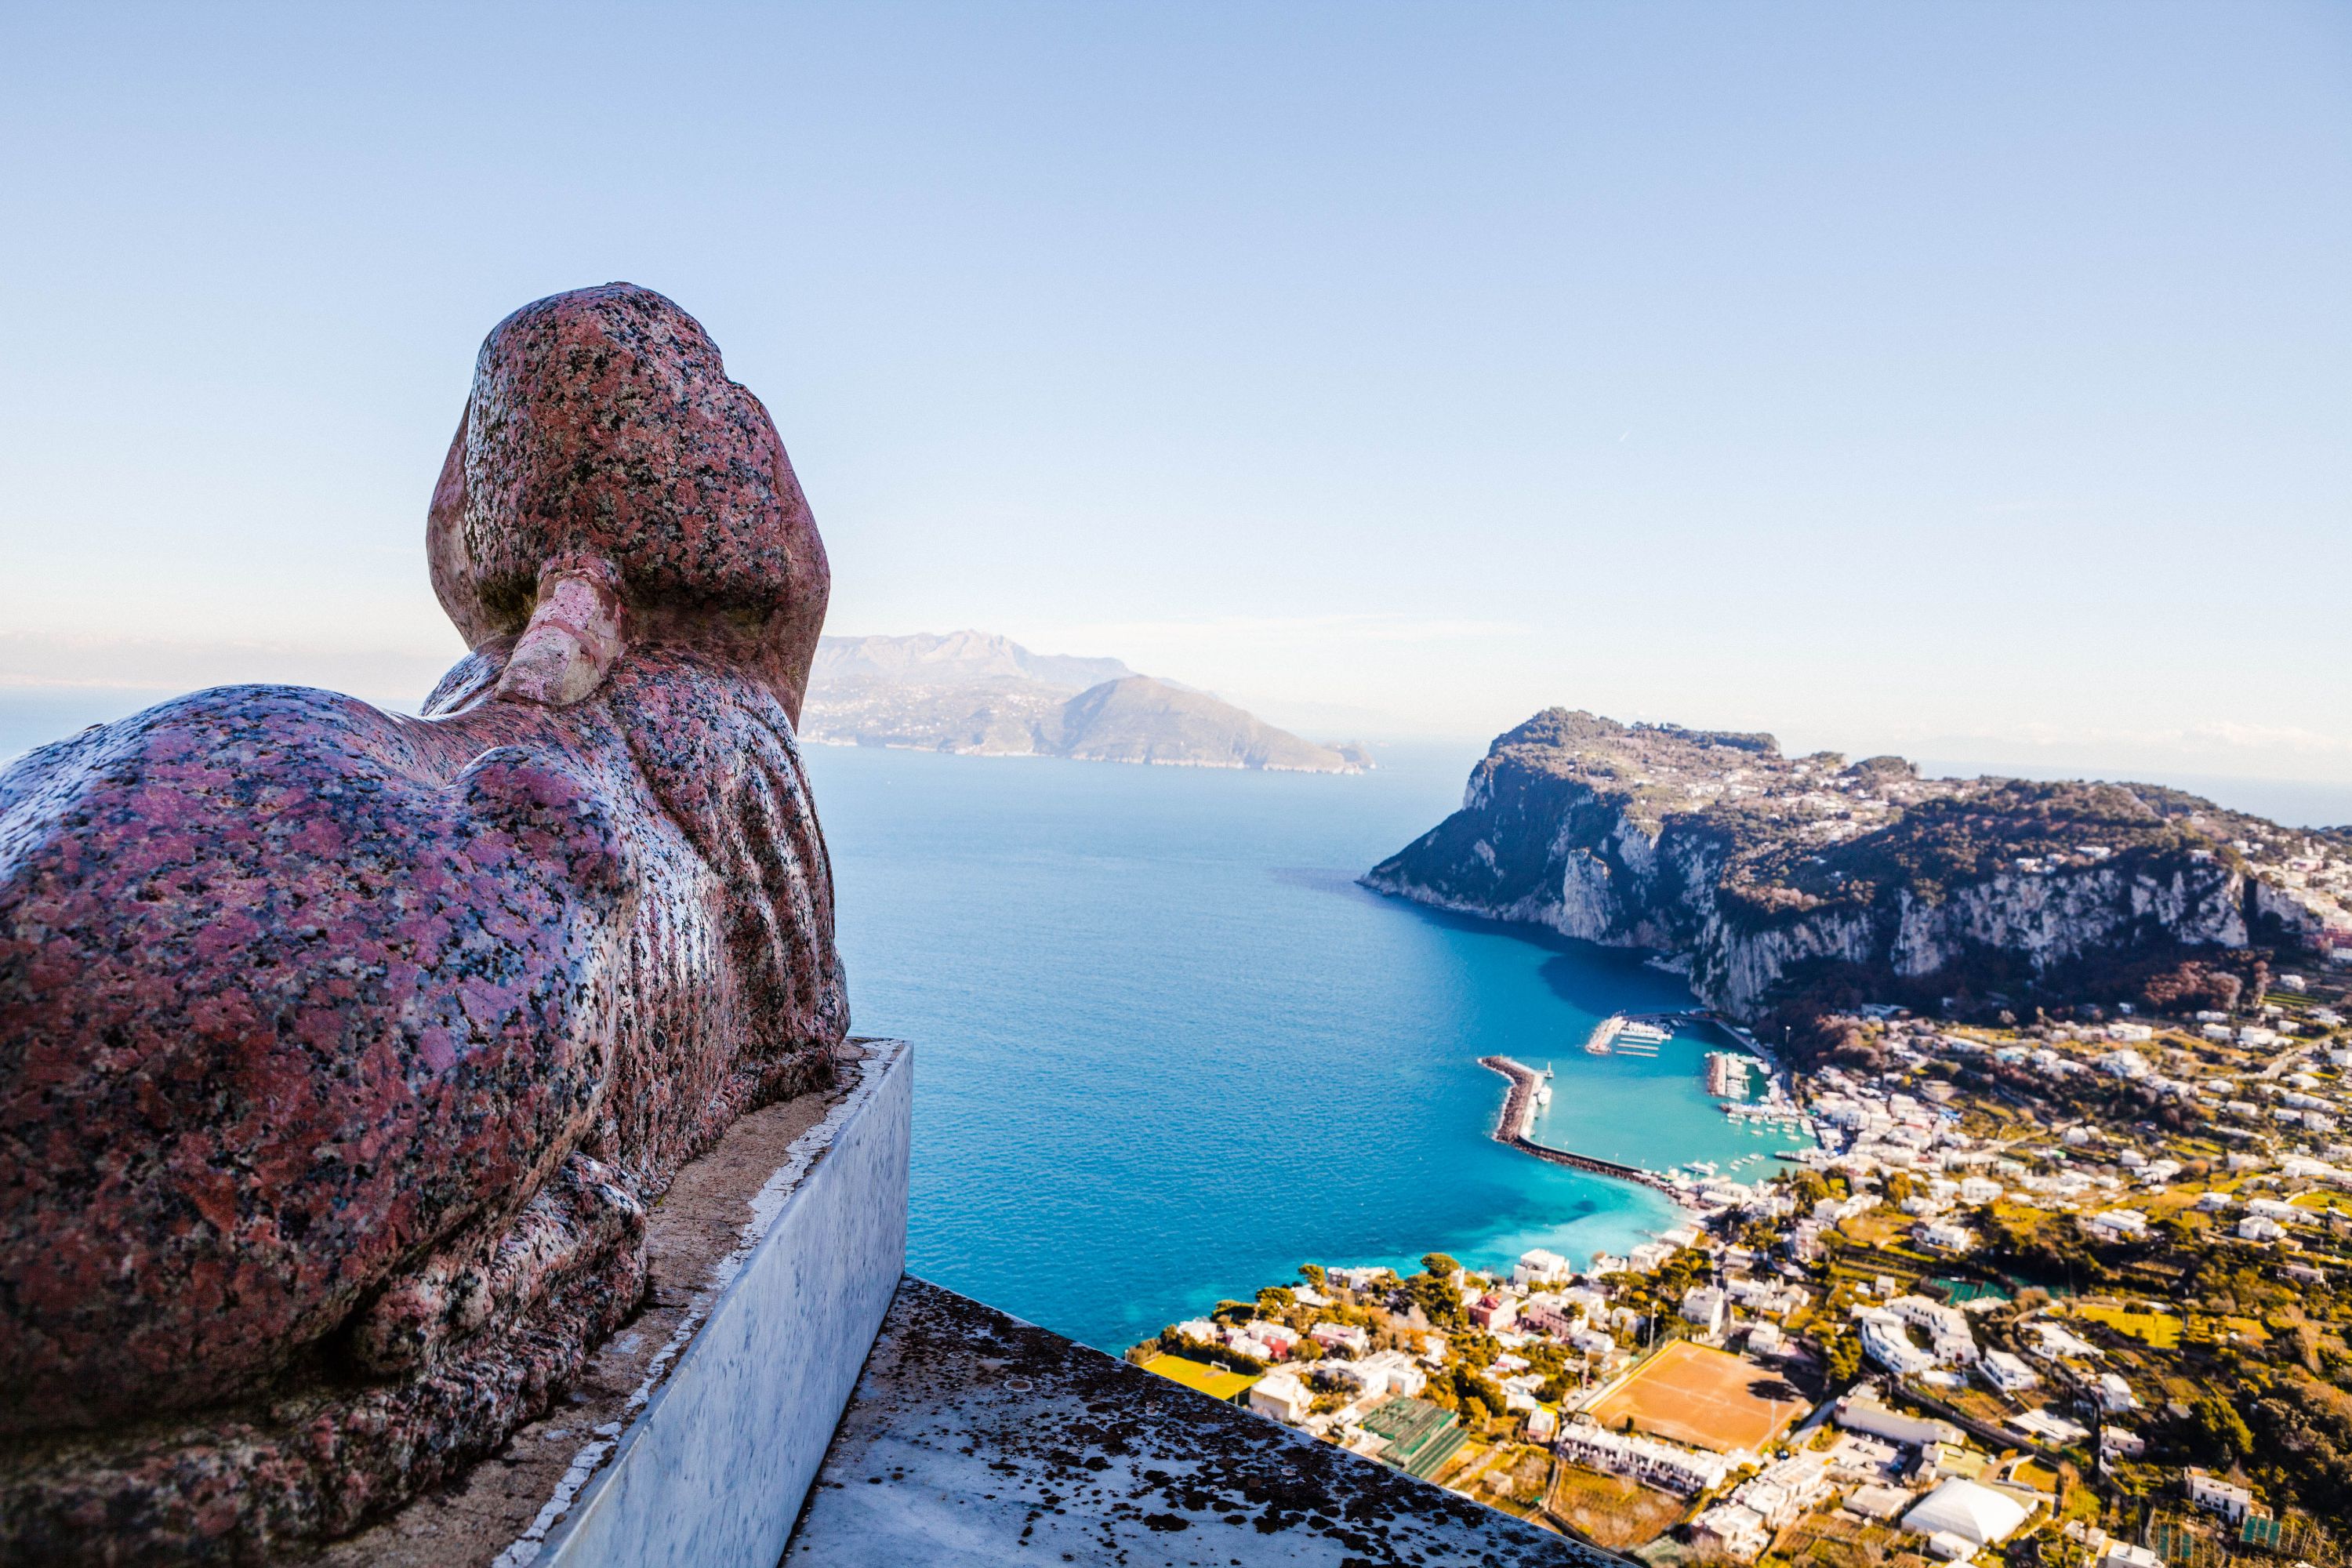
1710,1399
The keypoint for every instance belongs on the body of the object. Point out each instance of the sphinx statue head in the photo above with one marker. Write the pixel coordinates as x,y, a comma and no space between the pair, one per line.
608,483
340,1052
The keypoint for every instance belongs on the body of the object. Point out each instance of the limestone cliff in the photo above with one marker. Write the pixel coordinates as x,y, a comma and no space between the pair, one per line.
1754,865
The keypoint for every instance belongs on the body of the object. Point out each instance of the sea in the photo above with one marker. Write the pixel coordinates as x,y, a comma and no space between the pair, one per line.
1167,1049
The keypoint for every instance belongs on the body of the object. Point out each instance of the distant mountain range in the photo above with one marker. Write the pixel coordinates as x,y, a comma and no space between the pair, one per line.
976,693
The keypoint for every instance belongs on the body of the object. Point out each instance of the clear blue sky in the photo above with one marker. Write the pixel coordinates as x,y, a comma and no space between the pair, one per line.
1967,380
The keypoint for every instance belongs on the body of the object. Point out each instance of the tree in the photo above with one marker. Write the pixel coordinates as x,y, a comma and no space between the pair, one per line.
2221,1429
1474,1385
1312,1273
1438,1264
1435,1295
1842,1355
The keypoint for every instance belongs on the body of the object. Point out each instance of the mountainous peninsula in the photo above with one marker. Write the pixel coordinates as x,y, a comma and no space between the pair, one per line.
974,694
1772,879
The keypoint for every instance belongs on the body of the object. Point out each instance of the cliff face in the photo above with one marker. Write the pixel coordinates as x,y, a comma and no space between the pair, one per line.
1751,864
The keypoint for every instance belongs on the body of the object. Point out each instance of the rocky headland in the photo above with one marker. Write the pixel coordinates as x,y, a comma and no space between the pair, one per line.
1771,877
977,694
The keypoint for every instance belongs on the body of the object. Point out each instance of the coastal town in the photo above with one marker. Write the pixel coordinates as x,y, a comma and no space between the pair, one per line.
2028,1289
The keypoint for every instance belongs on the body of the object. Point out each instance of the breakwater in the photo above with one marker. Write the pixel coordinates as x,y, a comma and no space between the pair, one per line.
1518,1114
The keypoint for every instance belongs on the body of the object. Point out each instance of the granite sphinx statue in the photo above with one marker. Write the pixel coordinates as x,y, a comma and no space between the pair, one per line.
342,1052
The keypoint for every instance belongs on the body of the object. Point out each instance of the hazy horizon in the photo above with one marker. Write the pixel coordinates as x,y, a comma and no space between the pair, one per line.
1965,382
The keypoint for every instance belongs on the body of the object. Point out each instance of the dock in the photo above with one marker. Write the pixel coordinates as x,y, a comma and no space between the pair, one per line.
1641,1034
1727,1075
1519,1115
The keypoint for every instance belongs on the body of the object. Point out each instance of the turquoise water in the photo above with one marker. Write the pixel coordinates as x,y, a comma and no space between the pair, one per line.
1167,1051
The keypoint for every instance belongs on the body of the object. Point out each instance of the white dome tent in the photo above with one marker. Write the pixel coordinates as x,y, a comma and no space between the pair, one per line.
1976,1514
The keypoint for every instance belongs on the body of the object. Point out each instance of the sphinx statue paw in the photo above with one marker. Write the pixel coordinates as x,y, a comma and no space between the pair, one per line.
584,1228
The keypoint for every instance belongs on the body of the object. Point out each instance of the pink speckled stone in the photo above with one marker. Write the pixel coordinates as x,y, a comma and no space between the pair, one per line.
340,1052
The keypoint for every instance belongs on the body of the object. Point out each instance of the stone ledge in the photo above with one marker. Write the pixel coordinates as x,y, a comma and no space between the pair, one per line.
976,1438
698,1425
713,1470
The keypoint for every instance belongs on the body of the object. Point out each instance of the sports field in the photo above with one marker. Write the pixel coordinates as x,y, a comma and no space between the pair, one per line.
1707,1398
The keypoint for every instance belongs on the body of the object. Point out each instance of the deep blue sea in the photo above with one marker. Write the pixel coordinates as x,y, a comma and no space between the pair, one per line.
1167,1051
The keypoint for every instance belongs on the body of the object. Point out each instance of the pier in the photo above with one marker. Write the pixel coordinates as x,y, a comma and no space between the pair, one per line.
1519,1115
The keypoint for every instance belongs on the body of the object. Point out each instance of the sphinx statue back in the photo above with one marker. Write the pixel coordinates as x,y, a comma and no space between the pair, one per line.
342,1052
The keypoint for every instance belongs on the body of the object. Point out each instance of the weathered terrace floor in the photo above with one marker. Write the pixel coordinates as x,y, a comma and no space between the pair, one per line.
976,1438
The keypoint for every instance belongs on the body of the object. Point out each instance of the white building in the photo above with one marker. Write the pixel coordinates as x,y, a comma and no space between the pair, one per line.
1401,1372
1859,1412
2115,1395
2045,1426
1766,1295
1648,1256
2007,1372
1948,1326
1884,1342
2113,1440
1282,1395
1950,1236
2209,1491
1375,1376
2119,1225
1785,1491
2259,1228
1539,1266
1704,1305
1664,1465
1732,1531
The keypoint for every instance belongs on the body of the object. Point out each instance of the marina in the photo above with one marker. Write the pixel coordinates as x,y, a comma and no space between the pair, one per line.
1630,1035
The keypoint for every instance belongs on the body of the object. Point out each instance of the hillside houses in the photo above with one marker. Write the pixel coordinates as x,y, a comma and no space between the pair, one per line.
1959,1167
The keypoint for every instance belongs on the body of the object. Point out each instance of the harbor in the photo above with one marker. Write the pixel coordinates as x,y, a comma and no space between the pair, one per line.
1529,1090
1741,1080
